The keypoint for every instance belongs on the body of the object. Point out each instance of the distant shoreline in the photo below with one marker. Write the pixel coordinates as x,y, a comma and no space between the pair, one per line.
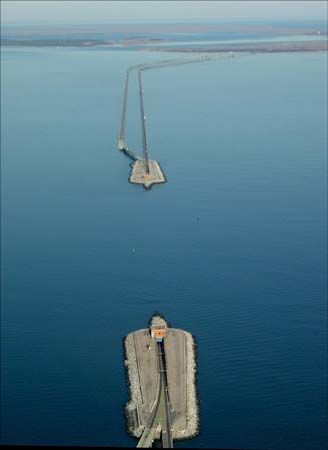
174,37
145,44
259,47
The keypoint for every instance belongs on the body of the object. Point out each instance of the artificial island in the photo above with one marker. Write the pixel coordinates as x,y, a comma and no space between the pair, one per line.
161,369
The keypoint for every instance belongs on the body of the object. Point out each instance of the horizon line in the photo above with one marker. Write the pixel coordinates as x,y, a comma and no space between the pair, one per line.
166,21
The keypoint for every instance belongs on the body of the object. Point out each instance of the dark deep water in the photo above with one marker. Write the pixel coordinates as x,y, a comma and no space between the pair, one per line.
243,144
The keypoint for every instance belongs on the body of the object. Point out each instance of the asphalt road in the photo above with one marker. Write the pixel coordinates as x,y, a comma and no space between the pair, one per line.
161,411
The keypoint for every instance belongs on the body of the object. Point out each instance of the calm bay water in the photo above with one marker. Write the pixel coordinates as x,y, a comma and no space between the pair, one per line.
243,144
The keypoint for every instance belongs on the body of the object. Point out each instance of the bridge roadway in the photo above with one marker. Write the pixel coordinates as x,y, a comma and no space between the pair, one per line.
121,143
143,124
160,416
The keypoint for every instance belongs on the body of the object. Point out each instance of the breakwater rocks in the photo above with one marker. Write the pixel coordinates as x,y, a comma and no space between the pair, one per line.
143,378
131,409
192,428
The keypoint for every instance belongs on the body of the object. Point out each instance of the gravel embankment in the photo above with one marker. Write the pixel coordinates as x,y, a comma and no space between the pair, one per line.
134,385
192,400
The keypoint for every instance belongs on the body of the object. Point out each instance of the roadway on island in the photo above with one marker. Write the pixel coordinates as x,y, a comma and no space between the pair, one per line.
160,415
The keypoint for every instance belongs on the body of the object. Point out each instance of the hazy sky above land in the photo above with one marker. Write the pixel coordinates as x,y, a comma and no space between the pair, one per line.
76,12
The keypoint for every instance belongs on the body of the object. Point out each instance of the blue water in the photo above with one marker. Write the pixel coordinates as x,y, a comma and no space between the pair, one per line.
243,144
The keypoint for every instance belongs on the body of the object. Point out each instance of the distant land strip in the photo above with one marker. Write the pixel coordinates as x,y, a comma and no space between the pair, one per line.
56,43
143,29
262,47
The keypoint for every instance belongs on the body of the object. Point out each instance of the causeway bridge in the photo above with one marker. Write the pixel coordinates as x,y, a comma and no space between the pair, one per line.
145,171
